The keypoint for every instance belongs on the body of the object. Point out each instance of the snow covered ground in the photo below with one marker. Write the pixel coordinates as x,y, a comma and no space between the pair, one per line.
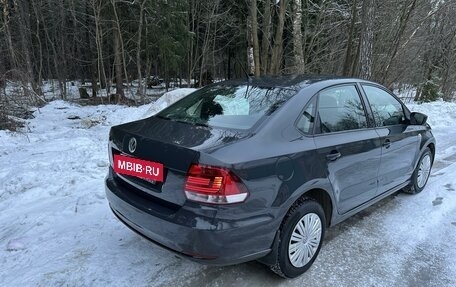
57,230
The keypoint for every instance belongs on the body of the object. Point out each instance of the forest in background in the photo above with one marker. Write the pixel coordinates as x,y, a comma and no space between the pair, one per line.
399,43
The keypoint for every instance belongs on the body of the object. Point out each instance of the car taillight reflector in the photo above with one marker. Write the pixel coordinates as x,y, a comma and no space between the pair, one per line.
214,185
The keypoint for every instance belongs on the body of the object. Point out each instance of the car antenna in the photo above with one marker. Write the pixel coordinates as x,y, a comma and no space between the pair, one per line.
250,76
247,75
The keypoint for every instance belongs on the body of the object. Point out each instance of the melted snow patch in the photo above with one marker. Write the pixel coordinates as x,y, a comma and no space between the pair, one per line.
15,245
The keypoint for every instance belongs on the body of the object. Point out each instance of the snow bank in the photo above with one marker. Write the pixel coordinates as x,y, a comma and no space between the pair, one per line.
166,100
440,114
442,118
56,227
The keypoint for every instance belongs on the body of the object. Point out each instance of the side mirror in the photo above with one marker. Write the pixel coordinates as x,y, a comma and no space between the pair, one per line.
418,118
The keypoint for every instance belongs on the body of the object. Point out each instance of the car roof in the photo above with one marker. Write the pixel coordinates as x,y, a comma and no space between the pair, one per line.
294,81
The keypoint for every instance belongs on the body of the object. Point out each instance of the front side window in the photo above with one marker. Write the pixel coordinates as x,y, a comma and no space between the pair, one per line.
340,109
386,109
234,107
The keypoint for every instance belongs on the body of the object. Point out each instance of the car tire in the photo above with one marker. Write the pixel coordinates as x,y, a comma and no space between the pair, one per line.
421,174
301,237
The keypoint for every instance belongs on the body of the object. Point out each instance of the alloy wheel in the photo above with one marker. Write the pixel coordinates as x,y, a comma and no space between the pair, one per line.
423,171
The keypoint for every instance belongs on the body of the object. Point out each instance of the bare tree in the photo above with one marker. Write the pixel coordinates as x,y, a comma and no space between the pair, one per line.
406,11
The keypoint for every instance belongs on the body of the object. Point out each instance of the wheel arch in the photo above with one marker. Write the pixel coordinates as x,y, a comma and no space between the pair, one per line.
314,195
431,146
317,194
323,198
313,192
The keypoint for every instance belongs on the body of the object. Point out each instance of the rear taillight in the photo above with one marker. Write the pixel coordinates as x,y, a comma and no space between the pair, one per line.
214,185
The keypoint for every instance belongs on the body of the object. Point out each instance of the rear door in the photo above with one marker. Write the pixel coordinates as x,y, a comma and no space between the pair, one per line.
400,144
348,148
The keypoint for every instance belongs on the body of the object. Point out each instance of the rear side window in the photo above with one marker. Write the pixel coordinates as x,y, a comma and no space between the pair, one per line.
387,110
306,121
340,109
234,107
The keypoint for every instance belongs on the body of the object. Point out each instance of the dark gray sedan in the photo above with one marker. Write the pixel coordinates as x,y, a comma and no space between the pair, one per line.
257,169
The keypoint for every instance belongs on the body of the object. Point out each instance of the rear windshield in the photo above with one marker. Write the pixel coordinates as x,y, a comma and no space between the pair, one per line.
234,107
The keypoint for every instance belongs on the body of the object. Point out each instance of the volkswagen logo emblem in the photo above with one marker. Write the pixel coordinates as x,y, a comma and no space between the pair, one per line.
132,145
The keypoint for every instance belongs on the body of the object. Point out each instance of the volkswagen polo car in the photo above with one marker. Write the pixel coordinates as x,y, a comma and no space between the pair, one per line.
257,169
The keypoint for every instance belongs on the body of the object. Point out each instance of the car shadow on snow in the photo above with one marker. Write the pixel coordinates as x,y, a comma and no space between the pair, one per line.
256,274
246,274
335,231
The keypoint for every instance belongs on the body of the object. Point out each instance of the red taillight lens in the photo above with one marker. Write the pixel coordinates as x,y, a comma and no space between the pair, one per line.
214,185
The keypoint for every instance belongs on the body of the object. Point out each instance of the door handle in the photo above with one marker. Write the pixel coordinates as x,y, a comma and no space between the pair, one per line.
333,155
387,143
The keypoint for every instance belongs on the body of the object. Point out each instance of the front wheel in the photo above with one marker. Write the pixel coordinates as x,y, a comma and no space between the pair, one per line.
301,237
421,174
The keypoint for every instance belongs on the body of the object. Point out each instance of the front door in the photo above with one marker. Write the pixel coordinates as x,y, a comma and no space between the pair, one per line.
400,142
350,149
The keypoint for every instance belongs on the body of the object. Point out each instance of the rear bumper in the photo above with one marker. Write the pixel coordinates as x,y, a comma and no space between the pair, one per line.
192,231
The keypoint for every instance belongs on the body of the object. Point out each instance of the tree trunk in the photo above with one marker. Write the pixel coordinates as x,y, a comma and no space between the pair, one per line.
207,40
148,58
118,64
278,40
6,20
51,43
24,31
98,41
62,57
297,37
250,55
195,44
140,91
254,35
88,54
121,45
367,39
266,40
40,46
191,28
346,70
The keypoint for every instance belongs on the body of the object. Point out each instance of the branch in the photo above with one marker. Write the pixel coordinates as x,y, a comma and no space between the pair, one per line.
430,14
28,89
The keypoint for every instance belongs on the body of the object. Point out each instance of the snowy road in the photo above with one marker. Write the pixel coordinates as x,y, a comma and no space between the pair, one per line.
56,228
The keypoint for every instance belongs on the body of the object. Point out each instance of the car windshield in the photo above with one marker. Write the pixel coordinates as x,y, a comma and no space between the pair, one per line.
234,107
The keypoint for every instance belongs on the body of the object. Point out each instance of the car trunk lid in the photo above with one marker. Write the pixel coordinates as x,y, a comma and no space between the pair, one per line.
174,144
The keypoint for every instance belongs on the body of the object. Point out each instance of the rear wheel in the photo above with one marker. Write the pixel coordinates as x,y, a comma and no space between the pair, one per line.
421,174
301,237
